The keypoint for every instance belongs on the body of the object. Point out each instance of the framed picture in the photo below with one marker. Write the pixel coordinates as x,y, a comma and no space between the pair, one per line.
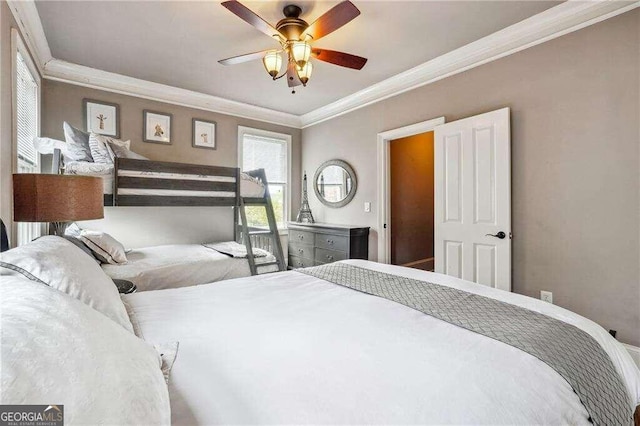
157,127
101,117
204,134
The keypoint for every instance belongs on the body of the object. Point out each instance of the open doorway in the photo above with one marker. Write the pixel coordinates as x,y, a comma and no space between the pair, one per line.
411,191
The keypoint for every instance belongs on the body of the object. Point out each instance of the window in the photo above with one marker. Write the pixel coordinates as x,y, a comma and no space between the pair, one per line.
259,149
26,104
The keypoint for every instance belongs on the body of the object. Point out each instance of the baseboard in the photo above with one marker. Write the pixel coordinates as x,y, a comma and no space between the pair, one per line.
634,351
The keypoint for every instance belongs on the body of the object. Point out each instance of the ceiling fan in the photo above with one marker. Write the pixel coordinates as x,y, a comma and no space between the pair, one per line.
295,37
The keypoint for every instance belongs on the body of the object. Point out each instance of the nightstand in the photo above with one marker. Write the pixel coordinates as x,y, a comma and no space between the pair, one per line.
125,287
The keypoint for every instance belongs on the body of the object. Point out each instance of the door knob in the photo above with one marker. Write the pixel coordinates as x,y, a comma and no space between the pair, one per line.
500,235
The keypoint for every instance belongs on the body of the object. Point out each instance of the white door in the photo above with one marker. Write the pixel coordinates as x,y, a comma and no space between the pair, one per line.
473,199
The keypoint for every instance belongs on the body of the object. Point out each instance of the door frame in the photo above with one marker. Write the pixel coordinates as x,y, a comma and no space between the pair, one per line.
384,200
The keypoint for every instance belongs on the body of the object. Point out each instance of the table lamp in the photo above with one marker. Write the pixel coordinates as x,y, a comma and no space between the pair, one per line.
57,199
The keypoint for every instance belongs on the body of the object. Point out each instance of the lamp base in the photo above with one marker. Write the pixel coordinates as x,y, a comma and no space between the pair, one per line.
58,228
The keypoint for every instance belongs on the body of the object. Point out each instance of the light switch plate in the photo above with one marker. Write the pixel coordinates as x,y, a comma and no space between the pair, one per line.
367,207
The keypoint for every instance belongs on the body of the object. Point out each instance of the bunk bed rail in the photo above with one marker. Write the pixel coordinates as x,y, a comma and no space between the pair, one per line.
160,183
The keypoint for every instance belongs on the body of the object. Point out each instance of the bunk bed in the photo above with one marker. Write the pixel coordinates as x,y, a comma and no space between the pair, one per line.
134,182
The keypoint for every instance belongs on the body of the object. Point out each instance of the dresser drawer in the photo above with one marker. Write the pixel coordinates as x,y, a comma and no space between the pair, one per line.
303,237
301,250
328,256
332,242
298,262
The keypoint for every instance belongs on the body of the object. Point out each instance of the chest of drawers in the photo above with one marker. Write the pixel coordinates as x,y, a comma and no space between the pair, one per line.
312,244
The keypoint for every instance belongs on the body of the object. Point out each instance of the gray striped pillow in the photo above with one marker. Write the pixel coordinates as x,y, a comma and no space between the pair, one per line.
99,150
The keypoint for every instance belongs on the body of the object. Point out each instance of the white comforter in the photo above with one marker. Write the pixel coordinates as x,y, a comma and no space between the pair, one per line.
290,348
181,265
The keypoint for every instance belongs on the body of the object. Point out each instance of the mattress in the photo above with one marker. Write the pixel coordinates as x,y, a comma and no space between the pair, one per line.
181,265
290,348
85,168
249,186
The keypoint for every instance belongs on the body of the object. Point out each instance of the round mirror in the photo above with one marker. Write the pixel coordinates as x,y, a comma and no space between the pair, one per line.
335,183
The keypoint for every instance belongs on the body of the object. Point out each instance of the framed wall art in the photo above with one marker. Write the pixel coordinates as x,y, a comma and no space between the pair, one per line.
204,134
101,117
156,127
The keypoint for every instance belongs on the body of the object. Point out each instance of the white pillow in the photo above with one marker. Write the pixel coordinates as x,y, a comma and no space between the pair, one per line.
56,350
99,150
104,246
47,145
60,264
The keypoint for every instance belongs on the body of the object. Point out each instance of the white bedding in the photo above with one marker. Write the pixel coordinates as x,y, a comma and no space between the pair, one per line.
249,186
290,348
85,168
181,265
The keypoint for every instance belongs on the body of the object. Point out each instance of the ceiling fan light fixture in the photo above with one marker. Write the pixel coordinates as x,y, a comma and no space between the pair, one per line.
301,52
272,62
304,73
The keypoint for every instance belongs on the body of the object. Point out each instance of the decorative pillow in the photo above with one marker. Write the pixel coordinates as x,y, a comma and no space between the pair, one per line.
77,144
82,246
119,151
104,246
58,350
61,265
99,150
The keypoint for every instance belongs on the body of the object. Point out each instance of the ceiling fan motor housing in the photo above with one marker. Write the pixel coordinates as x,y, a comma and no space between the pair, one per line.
291,26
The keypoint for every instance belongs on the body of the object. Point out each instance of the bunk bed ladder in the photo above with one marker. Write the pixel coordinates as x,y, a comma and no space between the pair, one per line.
272,233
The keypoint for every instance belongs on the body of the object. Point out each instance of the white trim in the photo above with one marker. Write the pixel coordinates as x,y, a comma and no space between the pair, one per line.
634,351
96,79
242,130
557,21
384,207
30,25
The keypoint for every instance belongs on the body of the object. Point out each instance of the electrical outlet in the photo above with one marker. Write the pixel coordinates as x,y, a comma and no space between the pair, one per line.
367,207
546,296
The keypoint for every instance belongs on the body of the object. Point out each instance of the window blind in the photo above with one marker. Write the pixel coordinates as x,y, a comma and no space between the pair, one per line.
270,154
27,112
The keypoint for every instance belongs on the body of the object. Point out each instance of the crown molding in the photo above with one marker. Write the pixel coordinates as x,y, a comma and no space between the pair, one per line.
565,18
80,75
30,27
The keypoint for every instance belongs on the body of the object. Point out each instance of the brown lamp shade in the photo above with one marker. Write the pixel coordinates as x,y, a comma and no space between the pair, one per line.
56,198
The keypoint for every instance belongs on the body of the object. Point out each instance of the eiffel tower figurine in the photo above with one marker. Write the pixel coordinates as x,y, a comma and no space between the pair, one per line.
304,214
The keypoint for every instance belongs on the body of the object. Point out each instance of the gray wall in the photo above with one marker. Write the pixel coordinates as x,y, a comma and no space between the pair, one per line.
575,163
139,227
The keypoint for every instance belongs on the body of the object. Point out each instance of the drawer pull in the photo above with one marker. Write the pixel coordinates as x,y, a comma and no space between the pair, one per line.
329,257
330,242
300,250
301,237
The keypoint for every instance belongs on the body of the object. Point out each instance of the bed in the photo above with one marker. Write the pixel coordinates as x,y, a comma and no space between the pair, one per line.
182,265
123,168
289,347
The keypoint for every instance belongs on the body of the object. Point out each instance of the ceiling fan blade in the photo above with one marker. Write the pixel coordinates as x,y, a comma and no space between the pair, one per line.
339,58
244,13
292,76
243,58
332,20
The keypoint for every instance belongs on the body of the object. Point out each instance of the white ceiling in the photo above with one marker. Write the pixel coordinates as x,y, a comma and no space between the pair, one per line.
179,43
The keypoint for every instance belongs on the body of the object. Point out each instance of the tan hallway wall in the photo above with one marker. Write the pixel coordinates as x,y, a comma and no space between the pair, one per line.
411,197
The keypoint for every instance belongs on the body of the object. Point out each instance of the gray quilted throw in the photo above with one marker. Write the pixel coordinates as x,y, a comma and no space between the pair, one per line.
571,352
